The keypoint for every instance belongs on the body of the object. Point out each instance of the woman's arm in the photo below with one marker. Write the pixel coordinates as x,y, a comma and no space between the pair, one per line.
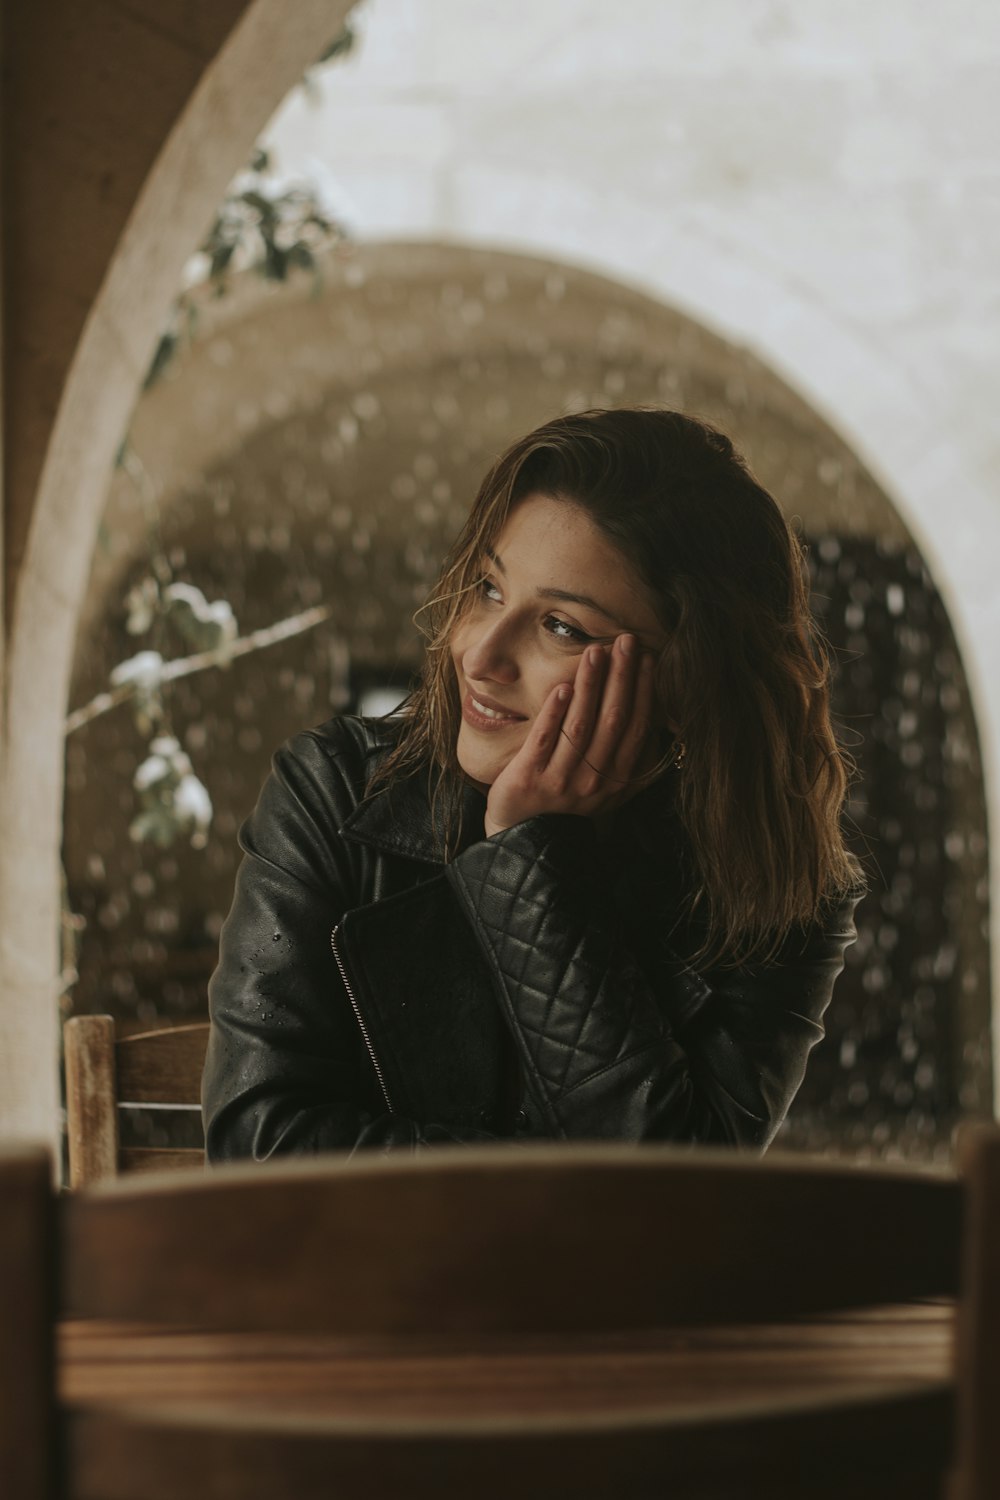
614,1048
283,1067
286,1069
613,1044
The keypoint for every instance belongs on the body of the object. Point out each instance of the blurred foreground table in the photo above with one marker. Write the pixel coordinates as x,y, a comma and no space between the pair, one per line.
689,1370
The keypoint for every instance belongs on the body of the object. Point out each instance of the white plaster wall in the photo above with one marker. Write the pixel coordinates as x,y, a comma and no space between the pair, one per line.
819,181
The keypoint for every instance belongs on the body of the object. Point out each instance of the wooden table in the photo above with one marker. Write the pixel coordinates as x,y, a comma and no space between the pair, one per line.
835,1355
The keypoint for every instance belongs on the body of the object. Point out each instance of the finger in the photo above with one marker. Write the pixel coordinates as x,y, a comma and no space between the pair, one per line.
546,732
635,742
584,707
615,714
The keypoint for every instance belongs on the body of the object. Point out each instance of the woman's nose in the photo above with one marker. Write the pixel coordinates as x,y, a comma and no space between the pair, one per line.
491,656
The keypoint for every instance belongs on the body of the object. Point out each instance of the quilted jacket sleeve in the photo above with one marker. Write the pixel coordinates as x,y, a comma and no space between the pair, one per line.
612,1047
285,1070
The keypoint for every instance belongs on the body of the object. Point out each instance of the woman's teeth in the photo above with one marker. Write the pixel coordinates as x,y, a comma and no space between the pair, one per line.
490,713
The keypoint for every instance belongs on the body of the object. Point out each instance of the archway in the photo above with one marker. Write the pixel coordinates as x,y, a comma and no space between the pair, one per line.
80,326
310,451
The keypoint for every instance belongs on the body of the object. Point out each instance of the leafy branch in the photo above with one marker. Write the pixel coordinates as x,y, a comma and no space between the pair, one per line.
271,225
266,223
275,227
146,673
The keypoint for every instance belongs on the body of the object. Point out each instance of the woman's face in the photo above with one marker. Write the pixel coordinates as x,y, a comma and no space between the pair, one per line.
552,586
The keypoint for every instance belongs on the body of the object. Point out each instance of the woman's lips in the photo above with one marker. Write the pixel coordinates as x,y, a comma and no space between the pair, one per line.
481,713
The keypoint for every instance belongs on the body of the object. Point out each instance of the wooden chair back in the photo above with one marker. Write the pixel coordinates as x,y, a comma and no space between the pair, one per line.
484,1241
464,1248
104,1074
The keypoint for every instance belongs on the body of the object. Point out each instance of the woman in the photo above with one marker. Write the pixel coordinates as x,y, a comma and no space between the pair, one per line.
590,883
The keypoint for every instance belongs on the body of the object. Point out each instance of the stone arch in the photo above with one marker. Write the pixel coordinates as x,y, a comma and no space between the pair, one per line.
80,327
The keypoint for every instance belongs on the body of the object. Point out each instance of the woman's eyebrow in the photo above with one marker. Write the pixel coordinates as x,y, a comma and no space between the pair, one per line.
565,596
586,601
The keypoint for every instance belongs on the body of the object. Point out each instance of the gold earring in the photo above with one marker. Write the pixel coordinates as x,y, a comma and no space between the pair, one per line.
679,751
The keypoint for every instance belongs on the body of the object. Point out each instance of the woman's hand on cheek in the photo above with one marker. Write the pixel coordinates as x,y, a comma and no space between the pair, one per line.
584,752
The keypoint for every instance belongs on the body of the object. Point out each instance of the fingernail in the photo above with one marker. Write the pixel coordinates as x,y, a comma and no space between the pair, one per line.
595,655
563,692
627,643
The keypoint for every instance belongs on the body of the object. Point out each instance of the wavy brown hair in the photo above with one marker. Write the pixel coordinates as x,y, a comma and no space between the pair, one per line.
744,674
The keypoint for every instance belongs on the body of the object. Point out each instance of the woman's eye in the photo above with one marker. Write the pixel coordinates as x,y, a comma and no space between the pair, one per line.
489,590
563,631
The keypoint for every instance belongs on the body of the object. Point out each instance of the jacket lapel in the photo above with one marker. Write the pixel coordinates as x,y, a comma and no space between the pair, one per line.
398,820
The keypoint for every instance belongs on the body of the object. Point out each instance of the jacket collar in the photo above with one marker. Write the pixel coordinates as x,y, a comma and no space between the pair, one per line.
397,819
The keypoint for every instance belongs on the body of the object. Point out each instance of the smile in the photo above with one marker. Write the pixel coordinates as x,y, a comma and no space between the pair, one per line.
491,713
481,716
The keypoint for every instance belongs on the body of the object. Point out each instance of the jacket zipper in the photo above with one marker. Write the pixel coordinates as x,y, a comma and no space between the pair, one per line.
360,1020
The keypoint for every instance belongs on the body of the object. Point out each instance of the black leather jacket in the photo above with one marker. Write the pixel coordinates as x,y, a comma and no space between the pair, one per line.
524,989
